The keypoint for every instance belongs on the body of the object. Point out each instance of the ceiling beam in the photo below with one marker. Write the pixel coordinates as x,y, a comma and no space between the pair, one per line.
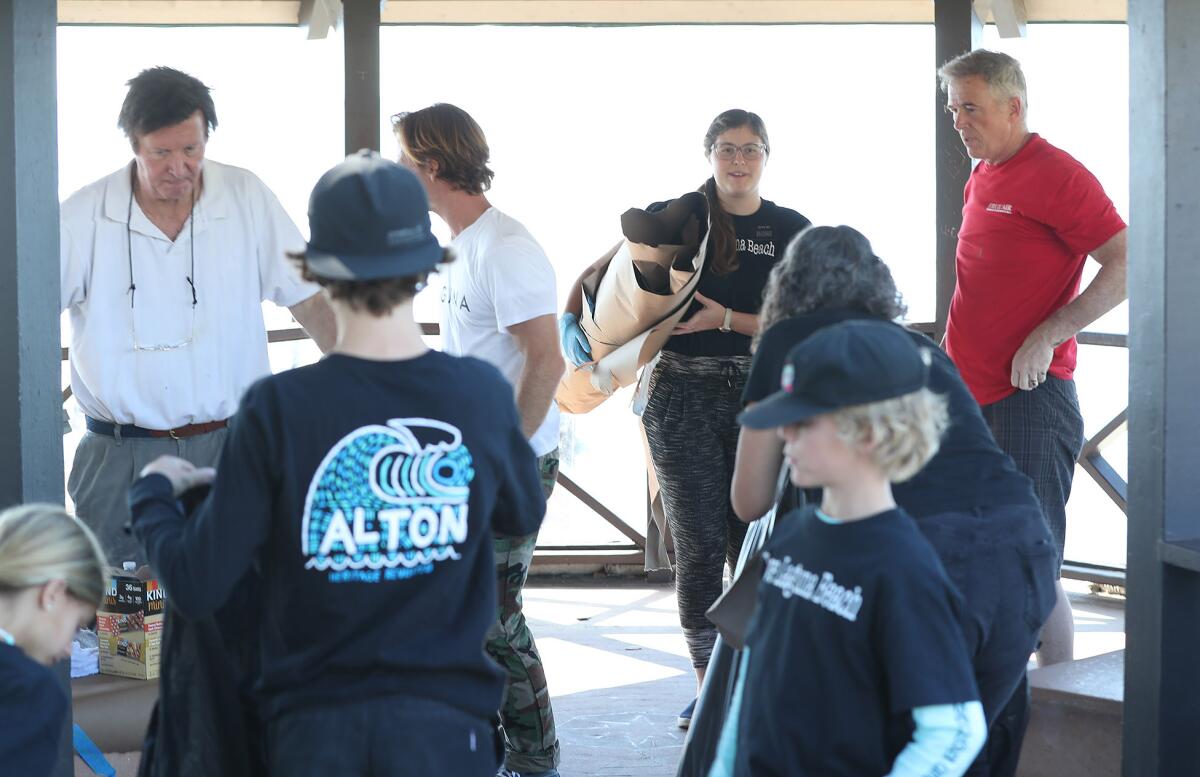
286,12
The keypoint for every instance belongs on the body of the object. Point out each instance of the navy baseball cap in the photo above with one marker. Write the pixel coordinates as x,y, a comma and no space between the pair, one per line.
846,364
368,219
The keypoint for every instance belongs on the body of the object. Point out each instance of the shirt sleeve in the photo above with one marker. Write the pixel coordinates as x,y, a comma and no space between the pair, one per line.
520,503
793,224
31,717
73,269
200,559
279,279
1081,213
945,741
924,655
520,282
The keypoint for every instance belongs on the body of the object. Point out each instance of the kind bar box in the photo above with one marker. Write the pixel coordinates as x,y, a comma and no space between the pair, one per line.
129,624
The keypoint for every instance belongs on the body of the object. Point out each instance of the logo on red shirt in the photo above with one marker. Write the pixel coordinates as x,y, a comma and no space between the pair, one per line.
996,207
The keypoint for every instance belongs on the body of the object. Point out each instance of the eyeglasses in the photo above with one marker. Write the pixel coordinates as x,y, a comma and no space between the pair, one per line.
186,323
751,152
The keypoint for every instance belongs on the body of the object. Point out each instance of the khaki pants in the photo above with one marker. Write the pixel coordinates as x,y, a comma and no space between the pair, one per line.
105,467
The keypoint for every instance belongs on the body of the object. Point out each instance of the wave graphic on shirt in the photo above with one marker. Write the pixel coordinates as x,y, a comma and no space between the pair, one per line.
389,497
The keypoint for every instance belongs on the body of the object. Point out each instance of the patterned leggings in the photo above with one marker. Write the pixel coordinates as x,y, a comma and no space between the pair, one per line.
691,427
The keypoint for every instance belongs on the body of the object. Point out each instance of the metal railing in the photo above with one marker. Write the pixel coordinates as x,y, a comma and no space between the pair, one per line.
633,552
1091,460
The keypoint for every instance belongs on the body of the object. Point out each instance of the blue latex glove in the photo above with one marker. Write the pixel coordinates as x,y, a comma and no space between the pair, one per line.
574,341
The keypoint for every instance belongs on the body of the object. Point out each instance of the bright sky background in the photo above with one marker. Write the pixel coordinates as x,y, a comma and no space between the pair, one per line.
586,122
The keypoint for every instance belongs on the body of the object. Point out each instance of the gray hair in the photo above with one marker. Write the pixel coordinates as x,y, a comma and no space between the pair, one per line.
826,268
40,543
998,70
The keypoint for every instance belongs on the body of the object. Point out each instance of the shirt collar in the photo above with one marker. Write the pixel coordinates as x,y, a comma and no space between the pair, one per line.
212,205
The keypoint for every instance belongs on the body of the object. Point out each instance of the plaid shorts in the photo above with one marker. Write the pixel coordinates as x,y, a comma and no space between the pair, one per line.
1042,430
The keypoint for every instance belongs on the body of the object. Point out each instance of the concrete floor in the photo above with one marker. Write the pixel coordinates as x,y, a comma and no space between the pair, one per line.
619,672
618,669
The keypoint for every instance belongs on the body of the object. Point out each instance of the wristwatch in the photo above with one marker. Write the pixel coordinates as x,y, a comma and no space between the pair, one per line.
727,324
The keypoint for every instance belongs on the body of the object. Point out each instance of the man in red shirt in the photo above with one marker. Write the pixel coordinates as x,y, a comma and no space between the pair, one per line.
1031,216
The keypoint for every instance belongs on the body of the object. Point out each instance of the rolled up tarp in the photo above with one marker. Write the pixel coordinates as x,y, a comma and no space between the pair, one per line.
633,300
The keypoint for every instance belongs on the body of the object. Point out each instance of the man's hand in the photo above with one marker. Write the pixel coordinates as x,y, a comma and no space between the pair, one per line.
183,474
710,316
1031,363
1105,292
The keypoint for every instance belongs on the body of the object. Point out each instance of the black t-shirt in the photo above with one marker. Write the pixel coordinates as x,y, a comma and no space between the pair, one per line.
970,470
366,493
856,626
761,240
32,708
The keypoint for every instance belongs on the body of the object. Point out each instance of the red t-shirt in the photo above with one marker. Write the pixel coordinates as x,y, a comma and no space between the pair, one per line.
1028,226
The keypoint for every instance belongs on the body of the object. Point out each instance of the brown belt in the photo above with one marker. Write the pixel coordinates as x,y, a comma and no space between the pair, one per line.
129,430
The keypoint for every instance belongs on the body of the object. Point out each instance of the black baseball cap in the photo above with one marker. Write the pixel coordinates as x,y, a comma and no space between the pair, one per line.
846,364
368,219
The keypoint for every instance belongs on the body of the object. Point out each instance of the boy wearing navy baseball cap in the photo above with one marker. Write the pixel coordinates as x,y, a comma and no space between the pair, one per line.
365,489
855,661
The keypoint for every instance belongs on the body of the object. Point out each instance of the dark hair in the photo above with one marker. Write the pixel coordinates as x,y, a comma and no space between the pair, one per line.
377,297
825,268
448,135
162,97
722,238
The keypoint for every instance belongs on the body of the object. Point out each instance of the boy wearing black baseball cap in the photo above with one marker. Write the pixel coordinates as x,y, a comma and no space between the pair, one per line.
856,664
365,489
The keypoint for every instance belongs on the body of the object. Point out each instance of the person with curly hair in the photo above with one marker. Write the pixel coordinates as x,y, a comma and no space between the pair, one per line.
970,501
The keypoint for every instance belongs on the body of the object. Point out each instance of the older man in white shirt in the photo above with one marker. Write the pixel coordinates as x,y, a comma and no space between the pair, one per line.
165,264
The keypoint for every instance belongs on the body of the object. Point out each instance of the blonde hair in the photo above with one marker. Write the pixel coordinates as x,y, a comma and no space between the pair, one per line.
903,433
41,542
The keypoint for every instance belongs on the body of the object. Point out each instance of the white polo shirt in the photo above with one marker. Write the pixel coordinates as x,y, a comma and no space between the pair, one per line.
241,236
500,277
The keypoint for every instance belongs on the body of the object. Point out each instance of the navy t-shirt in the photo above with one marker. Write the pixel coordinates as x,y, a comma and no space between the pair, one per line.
856,626
366,493
970,470
32,707
761,240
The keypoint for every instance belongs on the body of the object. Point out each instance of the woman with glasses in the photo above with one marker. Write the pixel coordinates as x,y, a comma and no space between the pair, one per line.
695,389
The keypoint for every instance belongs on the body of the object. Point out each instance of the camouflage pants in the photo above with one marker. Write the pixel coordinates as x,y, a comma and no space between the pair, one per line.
530,743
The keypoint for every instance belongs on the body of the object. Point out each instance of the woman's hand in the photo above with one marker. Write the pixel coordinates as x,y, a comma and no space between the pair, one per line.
710,316
182,474
574,342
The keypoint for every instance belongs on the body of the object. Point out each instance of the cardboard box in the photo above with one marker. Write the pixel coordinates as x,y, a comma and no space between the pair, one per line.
129,624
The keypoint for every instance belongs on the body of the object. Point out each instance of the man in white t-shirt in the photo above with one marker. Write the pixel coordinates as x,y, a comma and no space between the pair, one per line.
165,264
498,304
